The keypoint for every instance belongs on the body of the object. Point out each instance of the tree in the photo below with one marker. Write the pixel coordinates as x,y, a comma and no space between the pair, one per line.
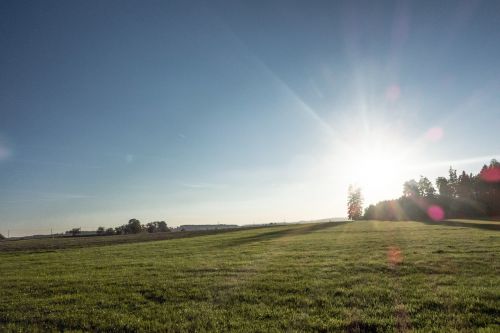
443,186
74,231
2,236
464,186
411,189
462,196
151,227
109,231
157,226
453,182
354,203
162,226
370,213
100,231
425,187
120,230
133,227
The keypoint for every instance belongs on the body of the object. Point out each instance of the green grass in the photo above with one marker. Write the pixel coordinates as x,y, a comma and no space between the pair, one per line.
360,276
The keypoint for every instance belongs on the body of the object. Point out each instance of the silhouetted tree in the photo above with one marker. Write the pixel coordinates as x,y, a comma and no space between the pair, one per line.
162,226
354,203
157,226
100,231
463,196
151,227
2,236
426,188
133,227
110,231
411,189
443,186
369,213
452,182
120,230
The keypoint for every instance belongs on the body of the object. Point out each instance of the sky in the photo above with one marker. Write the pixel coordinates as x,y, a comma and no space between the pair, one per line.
236,112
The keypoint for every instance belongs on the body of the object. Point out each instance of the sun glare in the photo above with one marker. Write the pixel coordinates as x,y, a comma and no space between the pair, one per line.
377,164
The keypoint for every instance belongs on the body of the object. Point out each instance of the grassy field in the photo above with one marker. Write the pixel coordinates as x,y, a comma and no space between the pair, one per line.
357,277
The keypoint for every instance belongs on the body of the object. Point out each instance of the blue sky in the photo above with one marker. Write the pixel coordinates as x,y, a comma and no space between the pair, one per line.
235,112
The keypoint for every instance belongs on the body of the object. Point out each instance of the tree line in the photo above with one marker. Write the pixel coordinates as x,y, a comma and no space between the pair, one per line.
133,226
456,196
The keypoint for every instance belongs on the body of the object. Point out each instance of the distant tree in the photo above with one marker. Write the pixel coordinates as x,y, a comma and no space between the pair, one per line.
370,213
453,182
464,186
425,187
162,226
109,231
460,196
151,227
2,236
443,186
74,231
354,203
133,227
100,231
157,226
411,189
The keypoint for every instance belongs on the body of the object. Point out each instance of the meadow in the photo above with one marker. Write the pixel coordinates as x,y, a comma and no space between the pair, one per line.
366,276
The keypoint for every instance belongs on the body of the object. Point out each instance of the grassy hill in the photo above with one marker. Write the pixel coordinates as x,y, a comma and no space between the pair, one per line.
359,276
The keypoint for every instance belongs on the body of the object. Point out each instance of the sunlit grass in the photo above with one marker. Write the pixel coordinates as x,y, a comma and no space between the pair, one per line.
360,276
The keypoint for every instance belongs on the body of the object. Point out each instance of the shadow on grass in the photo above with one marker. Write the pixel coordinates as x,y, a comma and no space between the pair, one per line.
266,236
485,226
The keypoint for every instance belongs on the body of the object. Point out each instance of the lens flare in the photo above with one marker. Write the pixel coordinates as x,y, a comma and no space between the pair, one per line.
4,152
394,256
392,93
434,134
491,175
435,212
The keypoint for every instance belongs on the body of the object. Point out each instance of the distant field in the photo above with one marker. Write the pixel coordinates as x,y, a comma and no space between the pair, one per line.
326,277
58,243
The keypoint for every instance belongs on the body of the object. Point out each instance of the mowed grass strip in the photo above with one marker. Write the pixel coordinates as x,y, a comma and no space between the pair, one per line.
359,276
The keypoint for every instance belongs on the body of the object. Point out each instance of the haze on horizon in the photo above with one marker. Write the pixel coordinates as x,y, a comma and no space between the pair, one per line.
236,112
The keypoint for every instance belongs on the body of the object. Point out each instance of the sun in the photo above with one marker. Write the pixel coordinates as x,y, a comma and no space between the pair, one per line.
378,164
